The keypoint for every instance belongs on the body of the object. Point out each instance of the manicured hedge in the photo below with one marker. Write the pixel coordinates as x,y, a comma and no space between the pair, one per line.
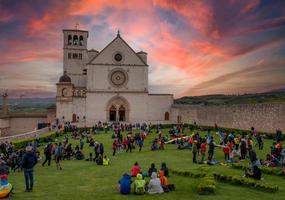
23,143
207,185
247,182
188,173
263,169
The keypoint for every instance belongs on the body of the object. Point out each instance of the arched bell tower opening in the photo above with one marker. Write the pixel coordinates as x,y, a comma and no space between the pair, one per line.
117,109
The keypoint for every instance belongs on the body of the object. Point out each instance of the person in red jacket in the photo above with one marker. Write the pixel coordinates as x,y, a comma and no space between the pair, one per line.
135,169
203,148
227,153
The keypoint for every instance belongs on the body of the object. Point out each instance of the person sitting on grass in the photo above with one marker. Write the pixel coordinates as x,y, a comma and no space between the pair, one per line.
135,169
154,186
106,161
255,173
164,182
139,185
151,169
125,184
164,168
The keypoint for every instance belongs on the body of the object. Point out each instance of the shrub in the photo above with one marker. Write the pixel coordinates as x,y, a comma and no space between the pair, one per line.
246,182
188,173
263,169
206,186
23,143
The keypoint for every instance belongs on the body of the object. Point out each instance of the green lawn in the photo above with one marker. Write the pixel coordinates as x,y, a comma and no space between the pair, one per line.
86,180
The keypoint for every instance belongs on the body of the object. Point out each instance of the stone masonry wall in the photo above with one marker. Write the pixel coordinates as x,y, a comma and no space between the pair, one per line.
264,117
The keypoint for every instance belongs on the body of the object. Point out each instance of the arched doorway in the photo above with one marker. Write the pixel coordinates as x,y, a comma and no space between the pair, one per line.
117,109
166,116
122,113
113,113
74,118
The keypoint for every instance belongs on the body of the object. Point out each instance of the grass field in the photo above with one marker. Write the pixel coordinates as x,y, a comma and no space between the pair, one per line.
80,180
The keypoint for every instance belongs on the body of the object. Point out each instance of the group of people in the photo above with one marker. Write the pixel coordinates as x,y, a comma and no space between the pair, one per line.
157,184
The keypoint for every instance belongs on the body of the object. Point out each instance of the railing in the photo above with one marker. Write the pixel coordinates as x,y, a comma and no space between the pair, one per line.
32,134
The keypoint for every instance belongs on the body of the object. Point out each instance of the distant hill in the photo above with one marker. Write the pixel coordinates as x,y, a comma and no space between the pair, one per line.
221,99
29,104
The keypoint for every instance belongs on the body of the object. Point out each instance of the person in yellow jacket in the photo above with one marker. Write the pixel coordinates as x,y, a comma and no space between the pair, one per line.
139,185
106,161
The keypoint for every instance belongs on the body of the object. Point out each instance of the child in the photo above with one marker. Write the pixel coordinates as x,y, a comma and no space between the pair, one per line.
203,150
226,151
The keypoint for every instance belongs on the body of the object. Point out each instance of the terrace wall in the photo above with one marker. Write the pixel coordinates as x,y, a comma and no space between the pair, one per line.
264,117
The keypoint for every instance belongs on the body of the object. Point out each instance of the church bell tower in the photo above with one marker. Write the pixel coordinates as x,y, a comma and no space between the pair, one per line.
75,55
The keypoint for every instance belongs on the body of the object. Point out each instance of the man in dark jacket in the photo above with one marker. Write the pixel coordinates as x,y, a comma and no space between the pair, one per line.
47,153
28,163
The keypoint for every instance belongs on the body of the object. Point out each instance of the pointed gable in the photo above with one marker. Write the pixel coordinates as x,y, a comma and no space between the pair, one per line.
117,46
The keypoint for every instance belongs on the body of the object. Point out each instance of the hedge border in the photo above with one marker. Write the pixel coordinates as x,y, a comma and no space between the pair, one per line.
246,182
265,170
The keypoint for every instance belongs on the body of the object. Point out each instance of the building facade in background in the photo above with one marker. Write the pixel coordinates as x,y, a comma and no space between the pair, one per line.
107,86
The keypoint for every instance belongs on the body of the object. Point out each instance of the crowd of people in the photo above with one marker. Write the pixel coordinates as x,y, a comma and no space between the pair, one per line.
235,148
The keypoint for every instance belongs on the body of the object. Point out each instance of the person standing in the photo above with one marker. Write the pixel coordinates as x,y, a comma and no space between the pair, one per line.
211,149
28,163
47,152
194,151
58,154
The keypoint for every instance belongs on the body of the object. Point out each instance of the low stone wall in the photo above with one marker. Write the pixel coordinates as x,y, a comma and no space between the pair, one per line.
32,134
264,117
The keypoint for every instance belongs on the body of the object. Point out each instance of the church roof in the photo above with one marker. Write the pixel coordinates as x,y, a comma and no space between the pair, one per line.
118,36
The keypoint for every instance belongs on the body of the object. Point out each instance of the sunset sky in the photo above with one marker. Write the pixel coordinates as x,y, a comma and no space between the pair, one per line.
194,47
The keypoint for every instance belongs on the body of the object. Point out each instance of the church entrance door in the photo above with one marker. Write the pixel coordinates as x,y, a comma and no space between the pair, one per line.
112,114
117,109
122,114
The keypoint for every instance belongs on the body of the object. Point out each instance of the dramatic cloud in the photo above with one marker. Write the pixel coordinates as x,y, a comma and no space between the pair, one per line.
194,47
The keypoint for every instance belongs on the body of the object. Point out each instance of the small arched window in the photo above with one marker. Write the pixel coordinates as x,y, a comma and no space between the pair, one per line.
75,40
69,40
166,116
81,40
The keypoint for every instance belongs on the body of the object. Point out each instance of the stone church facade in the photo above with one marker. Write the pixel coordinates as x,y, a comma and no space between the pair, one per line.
110,85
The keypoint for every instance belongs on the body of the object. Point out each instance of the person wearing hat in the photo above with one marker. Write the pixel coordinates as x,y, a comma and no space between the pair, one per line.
28,163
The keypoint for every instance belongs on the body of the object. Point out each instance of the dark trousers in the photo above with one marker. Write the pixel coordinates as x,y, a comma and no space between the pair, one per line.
29,178
48,160
227,157
114,151
129,148
194,157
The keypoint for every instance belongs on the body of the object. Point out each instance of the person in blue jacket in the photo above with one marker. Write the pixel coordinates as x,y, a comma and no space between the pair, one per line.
125,184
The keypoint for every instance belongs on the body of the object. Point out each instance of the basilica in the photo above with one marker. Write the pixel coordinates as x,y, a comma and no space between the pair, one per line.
110,85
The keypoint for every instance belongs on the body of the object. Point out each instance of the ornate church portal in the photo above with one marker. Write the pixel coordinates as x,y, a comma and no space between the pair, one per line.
118,109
